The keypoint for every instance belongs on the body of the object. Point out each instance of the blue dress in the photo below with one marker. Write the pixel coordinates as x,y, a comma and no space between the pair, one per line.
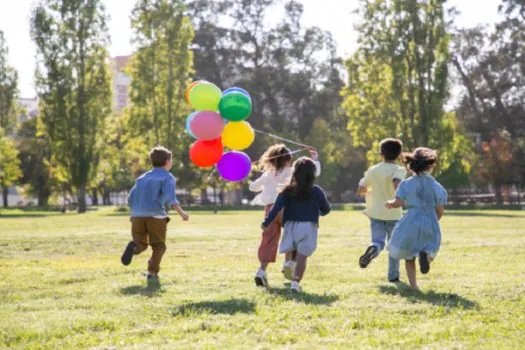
418,230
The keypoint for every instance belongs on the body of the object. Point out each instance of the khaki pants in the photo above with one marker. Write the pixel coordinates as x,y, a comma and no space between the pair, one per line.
153,232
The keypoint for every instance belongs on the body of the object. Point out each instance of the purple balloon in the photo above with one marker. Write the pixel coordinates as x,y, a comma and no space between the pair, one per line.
234,166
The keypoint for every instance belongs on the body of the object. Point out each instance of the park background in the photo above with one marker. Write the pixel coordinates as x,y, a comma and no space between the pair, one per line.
78,123
79,113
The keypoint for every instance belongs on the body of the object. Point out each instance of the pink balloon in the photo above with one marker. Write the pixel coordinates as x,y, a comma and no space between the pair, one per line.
207,125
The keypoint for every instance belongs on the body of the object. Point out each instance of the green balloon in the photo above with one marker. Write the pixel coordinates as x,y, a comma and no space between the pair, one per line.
205,97
235,106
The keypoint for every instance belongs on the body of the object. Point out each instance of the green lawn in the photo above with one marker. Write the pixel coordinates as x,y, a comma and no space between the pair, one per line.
62,286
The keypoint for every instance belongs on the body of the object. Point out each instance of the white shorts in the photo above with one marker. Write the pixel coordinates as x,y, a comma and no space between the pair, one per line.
300,237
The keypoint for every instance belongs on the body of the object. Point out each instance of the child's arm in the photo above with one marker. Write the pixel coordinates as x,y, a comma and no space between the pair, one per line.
394,203
440,210
401,196
130,196
169,191
315,157
182,213
362,189
399,175
396,183
258,185
324,205
277,207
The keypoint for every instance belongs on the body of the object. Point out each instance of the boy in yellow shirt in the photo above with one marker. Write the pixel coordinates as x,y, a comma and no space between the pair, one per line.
379,185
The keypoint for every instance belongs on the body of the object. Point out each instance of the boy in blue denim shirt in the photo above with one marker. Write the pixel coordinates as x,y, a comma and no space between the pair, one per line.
153,193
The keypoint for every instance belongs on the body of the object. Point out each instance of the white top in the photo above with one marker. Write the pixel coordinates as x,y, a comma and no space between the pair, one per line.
270,184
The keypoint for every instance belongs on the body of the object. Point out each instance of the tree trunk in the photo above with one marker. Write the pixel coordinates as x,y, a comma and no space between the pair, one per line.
94,198
497,190
221,197
106,198
204,197
5,193
215,199
43,199
82,198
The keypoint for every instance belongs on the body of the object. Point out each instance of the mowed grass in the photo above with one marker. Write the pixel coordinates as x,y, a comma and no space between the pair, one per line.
62,287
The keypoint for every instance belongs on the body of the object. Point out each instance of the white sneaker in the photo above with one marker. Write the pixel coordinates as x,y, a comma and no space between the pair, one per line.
261,280
295,287
289,269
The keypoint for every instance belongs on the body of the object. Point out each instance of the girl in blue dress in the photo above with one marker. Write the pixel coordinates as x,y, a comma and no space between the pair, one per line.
418,233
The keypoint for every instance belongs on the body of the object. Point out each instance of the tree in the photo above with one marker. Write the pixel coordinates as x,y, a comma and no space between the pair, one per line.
293,72
496,163
8,89
35,159
160,70
9,166
73,83
122,159
398,78
490,67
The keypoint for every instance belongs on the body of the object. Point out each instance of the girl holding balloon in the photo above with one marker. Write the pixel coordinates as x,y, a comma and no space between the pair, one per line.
276,164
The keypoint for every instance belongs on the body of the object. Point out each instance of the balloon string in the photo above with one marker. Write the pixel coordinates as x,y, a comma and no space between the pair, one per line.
281,155
282,139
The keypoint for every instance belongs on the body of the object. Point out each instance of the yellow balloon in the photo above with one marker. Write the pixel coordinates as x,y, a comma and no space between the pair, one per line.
238,135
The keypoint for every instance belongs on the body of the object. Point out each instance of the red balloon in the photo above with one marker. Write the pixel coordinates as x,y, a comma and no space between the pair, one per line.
206,153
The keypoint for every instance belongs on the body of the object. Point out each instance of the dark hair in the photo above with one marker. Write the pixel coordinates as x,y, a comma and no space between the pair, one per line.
159,156
276,158
303,179
420,160
391,148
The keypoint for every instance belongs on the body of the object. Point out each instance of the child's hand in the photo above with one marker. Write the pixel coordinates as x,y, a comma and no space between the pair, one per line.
313,154
390,204
184,216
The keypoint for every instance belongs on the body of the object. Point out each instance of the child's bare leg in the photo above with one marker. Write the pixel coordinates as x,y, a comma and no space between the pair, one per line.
291,256
411,273
264,265
300,267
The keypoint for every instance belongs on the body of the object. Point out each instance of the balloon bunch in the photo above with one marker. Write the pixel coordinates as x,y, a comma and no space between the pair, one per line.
218,122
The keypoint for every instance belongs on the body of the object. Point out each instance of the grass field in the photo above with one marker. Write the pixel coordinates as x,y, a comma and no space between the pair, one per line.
62,286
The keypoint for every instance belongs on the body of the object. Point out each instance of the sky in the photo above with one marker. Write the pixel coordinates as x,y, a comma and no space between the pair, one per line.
333,15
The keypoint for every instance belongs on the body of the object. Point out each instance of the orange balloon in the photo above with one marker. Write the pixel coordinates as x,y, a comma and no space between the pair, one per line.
206,153
188,89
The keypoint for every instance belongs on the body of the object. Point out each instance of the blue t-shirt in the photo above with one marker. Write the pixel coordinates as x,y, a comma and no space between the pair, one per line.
301,210
152,193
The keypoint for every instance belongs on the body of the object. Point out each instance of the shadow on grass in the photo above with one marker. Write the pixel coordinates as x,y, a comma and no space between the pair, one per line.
483,214
26,216
432,297
225,307
304,297
148,291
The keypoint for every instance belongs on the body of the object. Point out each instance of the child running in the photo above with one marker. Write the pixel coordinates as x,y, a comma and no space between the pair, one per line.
276,163
418,232
302,203
152,194
379,185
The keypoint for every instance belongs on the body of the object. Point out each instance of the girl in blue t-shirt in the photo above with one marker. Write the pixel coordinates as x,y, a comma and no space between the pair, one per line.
418,234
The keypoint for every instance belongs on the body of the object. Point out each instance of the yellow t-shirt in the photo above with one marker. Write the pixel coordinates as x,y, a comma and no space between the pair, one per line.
380,188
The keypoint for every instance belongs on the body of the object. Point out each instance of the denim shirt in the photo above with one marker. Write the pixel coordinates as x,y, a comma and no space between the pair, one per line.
152,193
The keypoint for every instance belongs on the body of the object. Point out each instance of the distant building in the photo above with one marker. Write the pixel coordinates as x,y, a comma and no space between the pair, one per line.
30,106
121,82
